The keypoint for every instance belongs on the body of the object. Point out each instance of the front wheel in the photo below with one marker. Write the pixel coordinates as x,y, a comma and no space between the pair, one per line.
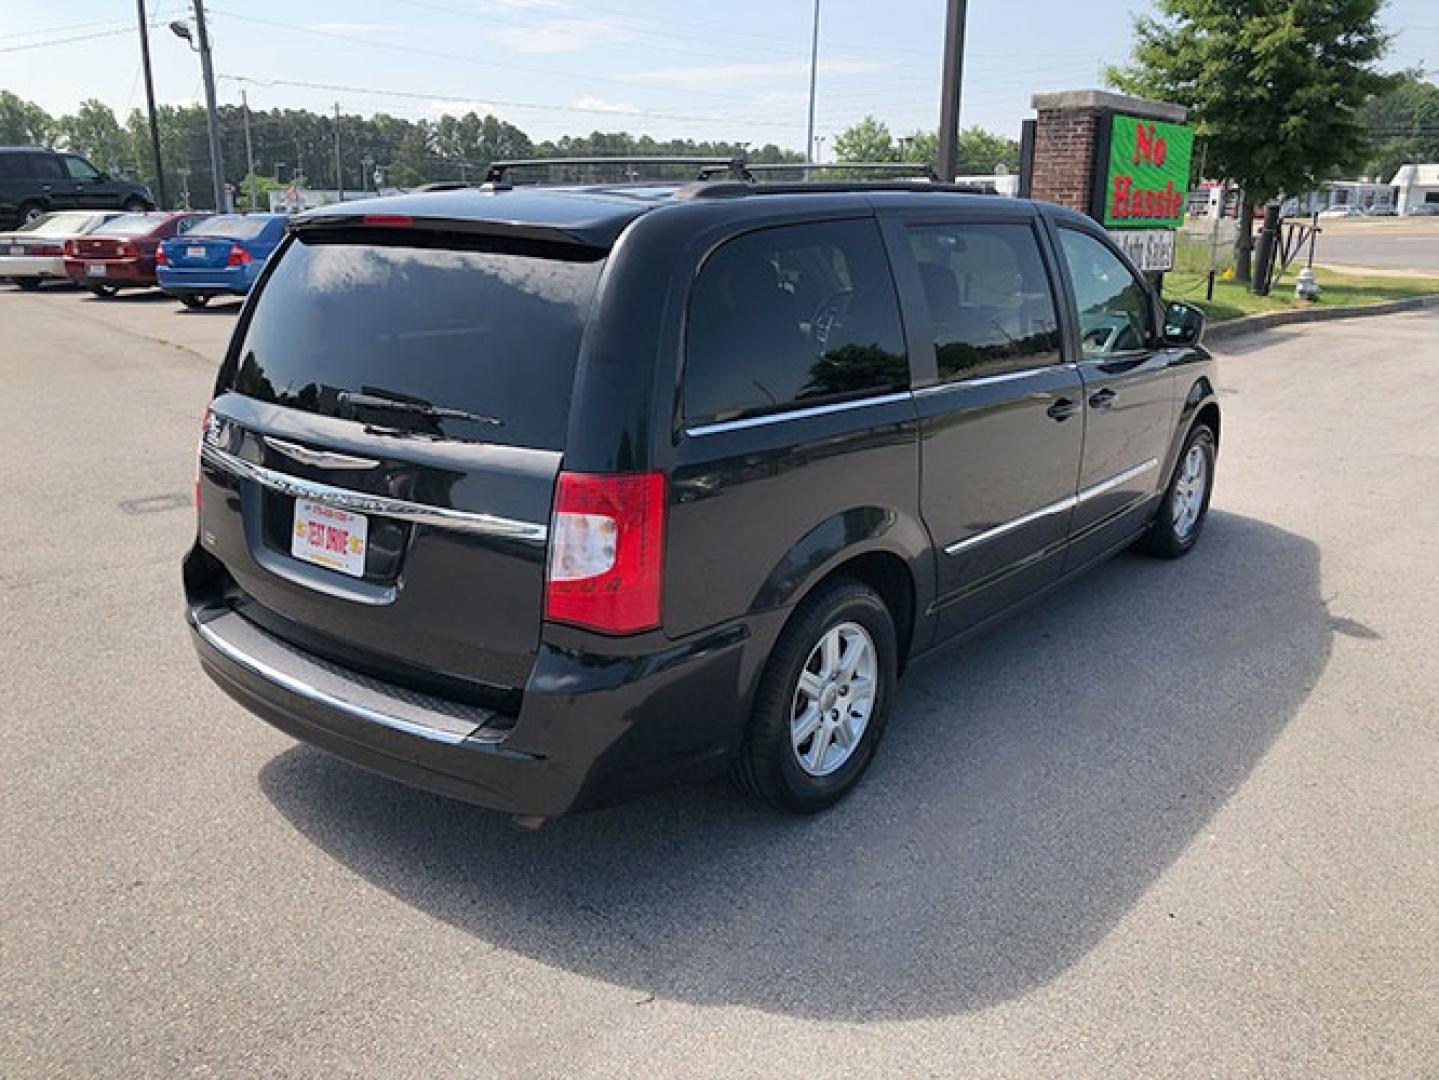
195,301
822,702
29,284
1181,514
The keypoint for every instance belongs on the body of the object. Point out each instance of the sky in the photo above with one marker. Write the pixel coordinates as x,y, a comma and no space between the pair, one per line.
736,69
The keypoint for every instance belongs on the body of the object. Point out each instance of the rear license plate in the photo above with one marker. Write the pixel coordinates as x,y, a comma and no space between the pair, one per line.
95,269
329,537
195,252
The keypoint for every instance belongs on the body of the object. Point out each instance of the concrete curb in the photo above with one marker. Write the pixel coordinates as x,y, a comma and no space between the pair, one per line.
1250,324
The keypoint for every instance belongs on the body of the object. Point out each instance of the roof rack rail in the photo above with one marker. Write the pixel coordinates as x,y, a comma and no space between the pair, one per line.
704,166
920,169
737,189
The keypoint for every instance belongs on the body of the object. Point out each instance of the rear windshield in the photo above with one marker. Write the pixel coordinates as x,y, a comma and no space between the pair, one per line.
231,226
133,224
491,334
62,224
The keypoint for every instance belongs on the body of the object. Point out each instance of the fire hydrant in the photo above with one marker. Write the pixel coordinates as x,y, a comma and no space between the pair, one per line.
1306,287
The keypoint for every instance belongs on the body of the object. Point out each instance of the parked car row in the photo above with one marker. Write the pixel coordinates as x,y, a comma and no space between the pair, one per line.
191,256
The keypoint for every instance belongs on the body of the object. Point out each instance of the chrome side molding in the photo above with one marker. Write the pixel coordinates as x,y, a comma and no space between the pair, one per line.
359,502
1069,502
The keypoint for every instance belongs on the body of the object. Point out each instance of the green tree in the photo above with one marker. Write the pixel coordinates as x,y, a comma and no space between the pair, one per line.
1403,125
868,140
1275,87
94,132
23,123
979,151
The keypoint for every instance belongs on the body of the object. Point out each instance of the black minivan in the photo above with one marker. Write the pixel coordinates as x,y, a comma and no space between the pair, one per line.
541,497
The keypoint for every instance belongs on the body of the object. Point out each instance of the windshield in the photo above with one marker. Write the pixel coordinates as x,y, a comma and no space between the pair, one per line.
133,224
63,224
232,227
489,333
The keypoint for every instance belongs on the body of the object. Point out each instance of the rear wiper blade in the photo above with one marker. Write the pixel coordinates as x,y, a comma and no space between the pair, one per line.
414,408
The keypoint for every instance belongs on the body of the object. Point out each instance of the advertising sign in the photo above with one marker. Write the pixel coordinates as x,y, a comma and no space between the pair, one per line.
1147,180
1150,249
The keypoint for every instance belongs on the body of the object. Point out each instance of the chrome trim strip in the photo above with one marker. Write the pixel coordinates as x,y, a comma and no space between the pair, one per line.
1069,502
358,502
1058,507
322,459
320,697
991,380
795,414
1117,480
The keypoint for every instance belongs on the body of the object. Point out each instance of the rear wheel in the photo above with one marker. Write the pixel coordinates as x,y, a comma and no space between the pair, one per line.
822,702
136,206
195,301
104,291
28,212
1181,514
29,284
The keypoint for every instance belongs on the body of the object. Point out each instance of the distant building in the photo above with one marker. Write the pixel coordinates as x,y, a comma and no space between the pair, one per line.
1342,195
1416,186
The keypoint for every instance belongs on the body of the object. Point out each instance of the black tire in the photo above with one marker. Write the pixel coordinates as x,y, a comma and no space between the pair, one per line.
1165,539
29,284
136,206
768,767
194,301
27,213
103,291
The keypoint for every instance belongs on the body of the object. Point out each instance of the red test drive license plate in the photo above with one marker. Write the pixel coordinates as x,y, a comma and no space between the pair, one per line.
329,537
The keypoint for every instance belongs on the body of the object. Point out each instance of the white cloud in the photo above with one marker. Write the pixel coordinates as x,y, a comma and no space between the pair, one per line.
594,104
781,99
355,28
560,35
731,74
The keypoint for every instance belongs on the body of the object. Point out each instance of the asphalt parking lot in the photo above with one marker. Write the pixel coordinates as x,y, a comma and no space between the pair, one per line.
1179,820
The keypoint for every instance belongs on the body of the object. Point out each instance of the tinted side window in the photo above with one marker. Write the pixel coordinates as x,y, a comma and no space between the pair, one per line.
14,167
44,166
792,316
988,298
79,168
1115,314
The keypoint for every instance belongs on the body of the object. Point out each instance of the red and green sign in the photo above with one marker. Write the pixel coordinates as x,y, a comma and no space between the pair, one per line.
1148,174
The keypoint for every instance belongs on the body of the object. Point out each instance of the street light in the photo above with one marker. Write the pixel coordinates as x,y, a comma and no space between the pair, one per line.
181,29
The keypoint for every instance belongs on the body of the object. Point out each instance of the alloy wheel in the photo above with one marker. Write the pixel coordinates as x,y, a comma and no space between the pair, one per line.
1190,488
834,699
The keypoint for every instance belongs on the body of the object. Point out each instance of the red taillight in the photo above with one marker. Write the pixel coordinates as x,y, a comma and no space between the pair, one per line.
238,256
126,250
72,249
390,221
199,448
47,249
160,259
607,551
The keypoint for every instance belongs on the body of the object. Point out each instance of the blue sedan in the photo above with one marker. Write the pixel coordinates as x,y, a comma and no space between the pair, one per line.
221,256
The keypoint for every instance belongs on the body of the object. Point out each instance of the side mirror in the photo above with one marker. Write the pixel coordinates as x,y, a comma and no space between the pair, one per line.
1183,324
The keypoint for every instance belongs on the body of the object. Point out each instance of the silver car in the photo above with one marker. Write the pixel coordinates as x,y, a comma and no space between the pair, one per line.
35,252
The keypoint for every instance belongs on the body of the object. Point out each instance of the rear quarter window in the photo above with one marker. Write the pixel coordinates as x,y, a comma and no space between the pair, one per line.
791,317
491,333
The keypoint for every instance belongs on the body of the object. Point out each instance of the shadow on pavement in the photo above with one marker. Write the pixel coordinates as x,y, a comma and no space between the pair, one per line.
1033,784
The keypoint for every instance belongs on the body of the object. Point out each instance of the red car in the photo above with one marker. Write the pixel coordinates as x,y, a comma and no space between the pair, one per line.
121,253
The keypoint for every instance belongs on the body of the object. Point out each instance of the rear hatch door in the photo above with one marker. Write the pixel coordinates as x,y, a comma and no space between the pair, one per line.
379,465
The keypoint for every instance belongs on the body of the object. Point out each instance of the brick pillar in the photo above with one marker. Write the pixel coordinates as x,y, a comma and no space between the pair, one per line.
1066,135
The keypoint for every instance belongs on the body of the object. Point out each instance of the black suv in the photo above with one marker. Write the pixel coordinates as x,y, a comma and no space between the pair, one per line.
34,181
542,497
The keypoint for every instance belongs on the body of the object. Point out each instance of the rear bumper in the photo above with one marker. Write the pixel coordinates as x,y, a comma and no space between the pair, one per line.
32,266
236,280
117,271
592,730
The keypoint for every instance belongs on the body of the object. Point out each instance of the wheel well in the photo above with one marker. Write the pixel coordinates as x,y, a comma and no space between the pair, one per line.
887,575
1210,415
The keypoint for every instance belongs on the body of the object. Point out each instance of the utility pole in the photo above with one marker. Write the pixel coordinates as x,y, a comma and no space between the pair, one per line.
813,74
339,175
249,149
150,102
207,68
950,86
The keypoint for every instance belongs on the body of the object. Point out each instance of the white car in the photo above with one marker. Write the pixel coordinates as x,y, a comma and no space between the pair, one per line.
35,252
1341,212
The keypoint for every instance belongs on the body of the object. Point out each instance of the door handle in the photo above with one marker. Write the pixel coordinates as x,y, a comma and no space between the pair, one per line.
1062,409
1101,399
